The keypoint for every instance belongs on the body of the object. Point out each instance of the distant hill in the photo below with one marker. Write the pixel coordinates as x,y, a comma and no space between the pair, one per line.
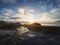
56,22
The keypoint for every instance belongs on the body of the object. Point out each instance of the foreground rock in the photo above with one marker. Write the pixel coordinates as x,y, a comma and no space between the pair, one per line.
10,37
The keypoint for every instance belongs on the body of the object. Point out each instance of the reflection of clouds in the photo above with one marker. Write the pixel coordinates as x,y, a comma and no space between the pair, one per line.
22,30
31,35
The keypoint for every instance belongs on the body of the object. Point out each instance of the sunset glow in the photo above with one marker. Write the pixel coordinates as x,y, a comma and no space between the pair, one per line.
31,21
30,11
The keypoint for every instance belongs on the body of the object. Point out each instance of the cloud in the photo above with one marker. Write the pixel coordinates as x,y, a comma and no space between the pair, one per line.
30,10
7,12
55,11
25,14
9,1
25,10
7,15
50,16
58,1
26,17
59,5
21,11
46,17
30,16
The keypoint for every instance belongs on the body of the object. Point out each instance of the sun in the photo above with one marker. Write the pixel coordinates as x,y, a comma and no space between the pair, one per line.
31,21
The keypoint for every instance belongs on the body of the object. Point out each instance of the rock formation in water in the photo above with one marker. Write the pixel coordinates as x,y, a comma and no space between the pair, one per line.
6,25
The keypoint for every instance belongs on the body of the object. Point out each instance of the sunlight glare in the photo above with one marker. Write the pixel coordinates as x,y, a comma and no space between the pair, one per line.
31,21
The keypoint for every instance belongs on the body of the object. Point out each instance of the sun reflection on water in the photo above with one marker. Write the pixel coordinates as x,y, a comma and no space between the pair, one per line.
22,30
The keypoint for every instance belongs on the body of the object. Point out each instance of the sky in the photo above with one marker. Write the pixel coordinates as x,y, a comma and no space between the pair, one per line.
30,10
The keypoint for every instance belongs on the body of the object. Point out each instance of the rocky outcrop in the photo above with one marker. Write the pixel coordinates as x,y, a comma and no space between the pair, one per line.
5,25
